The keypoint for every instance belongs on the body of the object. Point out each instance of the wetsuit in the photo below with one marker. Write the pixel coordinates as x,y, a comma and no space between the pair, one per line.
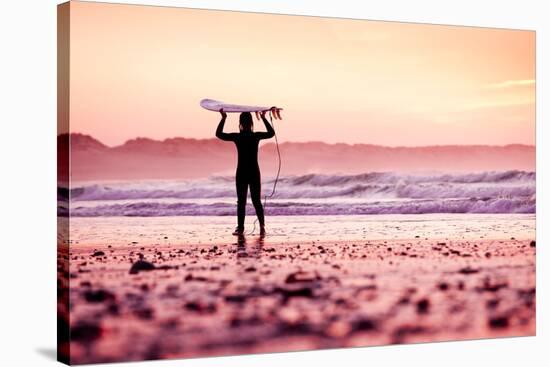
248,170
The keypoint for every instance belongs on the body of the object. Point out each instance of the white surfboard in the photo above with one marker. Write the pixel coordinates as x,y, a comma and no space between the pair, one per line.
213,105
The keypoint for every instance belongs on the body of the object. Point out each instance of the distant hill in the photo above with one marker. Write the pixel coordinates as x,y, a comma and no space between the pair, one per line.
178,158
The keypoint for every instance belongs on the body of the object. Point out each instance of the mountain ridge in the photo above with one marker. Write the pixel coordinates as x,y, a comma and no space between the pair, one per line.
81,136
180,158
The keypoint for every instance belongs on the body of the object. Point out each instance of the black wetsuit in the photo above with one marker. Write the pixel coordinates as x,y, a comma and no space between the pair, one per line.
248,170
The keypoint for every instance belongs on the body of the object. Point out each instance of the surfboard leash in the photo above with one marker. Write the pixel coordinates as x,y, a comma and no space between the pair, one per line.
276,177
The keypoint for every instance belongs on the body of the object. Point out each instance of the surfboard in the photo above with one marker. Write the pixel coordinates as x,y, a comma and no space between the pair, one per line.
213,105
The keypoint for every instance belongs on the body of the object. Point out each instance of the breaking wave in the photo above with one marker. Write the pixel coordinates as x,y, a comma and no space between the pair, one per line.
317,194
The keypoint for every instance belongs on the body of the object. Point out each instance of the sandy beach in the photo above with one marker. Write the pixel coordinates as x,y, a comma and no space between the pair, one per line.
171,287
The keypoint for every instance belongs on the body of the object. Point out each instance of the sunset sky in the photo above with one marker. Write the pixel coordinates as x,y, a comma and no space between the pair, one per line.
140,71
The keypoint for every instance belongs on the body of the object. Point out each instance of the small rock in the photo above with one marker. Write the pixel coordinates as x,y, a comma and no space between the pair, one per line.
467,270
98,253
364,324
288,293
423,306
489,286
302,276
201,307
141,265
85,332
533,244
500,322
98,296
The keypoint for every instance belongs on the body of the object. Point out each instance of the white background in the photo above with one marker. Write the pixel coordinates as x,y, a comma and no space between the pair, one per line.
28,191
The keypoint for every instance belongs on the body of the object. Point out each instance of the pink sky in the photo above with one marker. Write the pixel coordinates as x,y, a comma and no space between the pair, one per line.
142,70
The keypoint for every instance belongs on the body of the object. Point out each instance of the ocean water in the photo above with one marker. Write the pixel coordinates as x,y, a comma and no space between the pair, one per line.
511,192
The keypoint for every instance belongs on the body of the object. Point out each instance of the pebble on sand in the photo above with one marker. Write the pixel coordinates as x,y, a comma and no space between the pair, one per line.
423,306
302,276
98,296
201,307
468,270
85,332
499,322
141,265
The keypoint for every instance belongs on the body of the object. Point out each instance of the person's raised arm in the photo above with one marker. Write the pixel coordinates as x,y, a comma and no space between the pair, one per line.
219,131
270,131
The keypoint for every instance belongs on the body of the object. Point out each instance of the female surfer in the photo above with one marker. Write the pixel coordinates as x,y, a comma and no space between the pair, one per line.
248,170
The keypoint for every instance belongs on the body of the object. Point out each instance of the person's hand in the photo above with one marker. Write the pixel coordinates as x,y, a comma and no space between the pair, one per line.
224,115
275,112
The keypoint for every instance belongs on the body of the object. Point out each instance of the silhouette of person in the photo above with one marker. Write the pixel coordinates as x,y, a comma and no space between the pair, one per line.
248,170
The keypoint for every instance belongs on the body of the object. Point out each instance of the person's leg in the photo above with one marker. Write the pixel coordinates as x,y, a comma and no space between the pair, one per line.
242,191
256,196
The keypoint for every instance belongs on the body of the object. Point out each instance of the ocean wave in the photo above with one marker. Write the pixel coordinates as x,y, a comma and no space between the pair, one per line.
471,205
394,178
507,184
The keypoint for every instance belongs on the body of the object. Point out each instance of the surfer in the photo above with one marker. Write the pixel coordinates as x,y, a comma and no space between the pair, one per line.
248,170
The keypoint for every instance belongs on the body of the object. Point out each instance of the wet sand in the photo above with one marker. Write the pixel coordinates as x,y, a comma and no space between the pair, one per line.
144,294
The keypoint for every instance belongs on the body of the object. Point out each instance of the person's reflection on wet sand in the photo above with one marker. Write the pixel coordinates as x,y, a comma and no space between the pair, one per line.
254,251
259,245
241,246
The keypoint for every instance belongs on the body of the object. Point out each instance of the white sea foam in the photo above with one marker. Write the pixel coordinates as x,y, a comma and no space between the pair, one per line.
316,194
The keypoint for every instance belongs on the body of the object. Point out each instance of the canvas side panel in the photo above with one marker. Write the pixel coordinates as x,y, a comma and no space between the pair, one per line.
63,188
